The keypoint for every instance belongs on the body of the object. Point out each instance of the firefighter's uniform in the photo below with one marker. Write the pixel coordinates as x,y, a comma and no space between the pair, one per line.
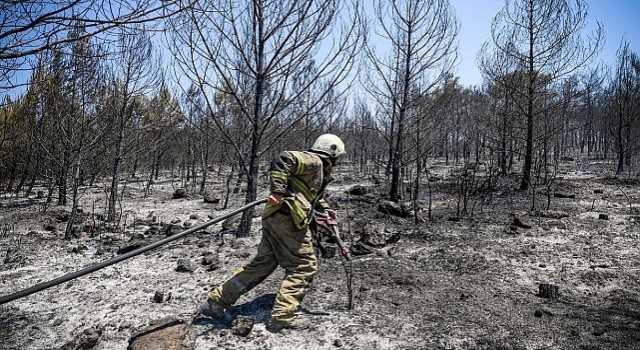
286,238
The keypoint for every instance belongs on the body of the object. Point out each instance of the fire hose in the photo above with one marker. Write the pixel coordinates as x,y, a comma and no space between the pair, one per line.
44,285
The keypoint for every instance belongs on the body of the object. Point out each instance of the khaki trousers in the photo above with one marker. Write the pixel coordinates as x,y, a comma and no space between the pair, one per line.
281,245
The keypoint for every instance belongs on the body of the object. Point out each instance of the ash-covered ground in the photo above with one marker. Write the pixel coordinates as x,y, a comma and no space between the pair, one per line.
448,282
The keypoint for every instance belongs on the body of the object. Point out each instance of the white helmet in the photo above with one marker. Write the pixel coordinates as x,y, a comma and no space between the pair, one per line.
330,145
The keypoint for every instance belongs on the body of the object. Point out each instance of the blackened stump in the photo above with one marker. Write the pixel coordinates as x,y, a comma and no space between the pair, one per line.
548,291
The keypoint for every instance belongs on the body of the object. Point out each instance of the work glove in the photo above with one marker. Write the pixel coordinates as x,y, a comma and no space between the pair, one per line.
274,198
332,213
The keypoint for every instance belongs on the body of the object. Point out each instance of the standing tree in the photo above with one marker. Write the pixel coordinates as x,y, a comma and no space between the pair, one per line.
419,42
81,128
624,96
365,136
134,74
249,52
52,118
589,133
541,40
157,127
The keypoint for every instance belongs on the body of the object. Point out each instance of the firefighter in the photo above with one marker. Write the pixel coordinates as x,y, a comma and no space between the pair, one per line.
295,179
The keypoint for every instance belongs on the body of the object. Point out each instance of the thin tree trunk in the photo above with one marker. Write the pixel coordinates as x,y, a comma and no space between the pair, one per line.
252,170
74,208
620,143
111,215
528,155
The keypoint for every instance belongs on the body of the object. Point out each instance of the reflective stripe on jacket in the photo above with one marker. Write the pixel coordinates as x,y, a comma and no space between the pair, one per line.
298,176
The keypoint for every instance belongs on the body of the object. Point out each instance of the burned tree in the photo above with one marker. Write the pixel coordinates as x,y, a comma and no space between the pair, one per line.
421,38
540,41
624,94
249,53
134,74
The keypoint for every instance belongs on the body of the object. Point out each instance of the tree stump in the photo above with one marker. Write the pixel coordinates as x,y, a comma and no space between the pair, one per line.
548,291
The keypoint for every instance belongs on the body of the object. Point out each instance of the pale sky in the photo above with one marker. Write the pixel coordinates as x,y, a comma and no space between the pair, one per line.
618,17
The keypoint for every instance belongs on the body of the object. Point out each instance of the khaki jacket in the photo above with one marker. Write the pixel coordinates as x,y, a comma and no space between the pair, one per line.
298,176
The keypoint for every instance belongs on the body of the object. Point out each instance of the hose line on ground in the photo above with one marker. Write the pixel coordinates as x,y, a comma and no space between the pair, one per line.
44,285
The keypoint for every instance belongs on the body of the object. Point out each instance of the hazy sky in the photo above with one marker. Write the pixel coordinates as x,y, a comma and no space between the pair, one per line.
618,17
